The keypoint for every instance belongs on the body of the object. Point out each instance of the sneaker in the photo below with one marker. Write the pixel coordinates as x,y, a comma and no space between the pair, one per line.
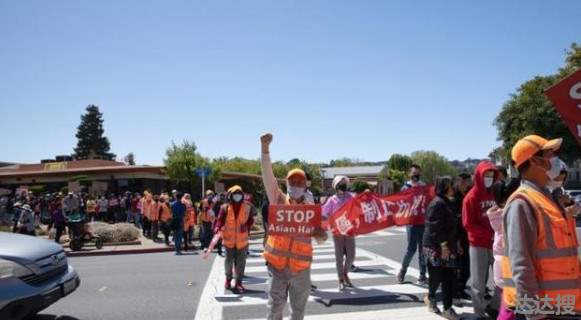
431,304
228,284
423,280
450,314
239,287
400,277
313,287
341,285
347,282
354,268
457,302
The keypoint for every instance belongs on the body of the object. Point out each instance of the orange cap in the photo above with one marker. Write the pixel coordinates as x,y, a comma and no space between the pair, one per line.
525,148
296,172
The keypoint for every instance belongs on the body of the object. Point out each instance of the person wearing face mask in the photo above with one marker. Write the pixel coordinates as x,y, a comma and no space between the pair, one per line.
344,245
415,234
540,257
288,257
558,192
235,220
440,247
480,235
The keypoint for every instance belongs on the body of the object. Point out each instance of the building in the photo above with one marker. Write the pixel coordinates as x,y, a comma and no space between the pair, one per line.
98,177
369,174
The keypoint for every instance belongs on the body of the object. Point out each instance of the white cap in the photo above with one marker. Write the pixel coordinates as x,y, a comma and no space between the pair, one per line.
338,179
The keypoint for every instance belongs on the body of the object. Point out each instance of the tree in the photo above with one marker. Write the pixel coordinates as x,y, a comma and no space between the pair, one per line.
433,165
181,163
129,159
343,162
528,111
359,186
90,134
399,162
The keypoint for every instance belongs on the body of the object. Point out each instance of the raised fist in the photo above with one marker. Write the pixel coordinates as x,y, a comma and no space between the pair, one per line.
265,141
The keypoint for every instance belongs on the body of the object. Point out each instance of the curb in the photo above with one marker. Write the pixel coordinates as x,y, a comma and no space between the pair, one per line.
118,252
95,253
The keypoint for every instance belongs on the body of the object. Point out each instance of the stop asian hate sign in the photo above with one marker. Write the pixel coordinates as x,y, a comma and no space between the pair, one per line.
293,220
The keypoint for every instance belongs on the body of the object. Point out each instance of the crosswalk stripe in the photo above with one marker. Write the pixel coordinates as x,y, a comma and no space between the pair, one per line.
316,266
315,257
230,300
411,313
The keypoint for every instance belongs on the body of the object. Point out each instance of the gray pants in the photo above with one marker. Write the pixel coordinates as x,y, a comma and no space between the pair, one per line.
481,260
284,284
237,259
344,247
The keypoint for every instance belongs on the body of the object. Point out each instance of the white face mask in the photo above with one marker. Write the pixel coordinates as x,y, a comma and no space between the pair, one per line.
237,197
296,192
488,181
555,168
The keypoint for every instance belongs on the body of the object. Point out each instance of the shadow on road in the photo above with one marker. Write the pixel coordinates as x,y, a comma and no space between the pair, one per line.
53,317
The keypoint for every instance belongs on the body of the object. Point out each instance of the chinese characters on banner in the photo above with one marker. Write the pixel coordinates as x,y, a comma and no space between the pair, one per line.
293,220
566,96
369,212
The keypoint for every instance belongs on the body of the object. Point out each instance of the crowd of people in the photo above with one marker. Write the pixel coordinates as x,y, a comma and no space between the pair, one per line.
522,228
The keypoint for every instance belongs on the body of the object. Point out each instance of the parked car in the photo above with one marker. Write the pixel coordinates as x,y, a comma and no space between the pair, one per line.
34,273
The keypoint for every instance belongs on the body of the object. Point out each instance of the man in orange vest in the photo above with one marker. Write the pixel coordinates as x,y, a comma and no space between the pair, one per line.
288,258
541,268
235,220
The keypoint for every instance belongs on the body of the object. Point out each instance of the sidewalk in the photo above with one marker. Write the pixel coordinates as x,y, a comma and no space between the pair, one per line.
141,245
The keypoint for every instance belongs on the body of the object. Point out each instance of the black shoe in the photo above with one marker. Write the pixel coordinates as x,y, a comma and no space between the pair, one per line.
423,280
400,277
313,287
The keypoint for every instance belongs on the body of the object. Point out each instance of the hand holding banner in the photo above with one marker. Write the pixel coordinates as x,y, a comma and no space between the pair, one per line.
368,212
293,220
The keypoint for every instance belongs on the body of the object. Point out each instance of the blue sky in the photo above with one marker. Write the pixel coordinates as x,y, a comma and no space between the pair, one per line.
329,79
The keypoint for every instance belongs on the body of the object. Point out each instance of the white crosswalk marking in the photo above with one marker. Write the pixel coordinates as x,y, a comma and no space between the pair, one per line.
374,280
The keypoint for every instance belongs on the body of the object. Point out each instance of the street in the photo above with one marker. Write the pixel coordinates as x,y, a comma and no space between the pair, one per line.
164,286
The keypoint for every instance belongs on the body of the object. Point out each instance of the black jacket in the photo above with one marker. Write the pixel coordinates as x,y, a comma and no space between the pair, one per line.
441,224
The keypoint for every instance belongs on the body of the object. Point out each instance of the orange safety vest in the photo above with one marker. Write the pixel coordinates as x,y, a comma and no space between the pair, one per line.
557,265
165,212
205,215
234,233
153,210
189,217
295,253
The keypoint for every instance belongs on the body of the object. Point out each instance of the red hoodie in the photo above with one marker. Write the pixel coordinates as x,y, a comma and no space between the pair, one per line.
476,203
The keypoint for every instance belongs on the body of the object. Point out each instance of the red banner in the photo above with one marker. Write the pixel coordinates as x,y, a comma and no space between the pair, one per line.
566,96
368,212
294,220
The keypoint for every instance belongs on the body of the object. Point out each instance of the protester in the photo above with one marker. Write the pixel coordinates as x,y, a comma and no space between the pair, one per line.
71,204
146,204
415,234
344,244
235,220
462,187
541,258
206,220
501,192
189,221
91,209
480,234
178,210
440,247
217,203
58,221
136,209
103,206
165,219
26,221
113,208
288,258
17,209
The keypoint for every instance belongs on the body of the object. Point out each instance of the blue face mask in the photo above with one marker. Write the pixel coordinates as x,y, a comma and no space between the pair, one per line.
237,197
296,192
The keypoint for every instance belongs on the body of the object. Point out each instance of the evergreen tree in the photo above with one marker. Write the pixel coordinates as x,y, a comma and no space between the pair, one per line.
91,141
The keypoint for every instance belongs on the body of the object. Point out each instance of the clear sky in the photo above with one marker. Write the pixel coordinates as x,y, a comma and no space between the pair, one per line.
329,79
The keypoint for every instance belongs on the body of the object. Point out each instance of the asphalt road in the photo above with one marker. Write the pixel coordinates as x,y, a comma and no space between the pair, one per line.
164,286
147,286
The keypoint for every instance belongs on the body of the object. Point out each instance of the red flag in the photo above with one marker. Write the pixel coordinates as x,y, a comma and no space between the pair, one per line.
368,212
566,97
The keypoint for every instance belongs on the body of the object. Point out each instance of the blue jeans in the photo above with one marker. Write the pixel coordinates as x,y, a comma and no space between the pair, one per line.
415,235
177,239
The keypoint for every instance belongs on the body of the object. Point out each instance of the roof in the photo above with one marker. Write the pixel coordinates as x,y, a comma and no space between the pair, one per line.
330,173
56,166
